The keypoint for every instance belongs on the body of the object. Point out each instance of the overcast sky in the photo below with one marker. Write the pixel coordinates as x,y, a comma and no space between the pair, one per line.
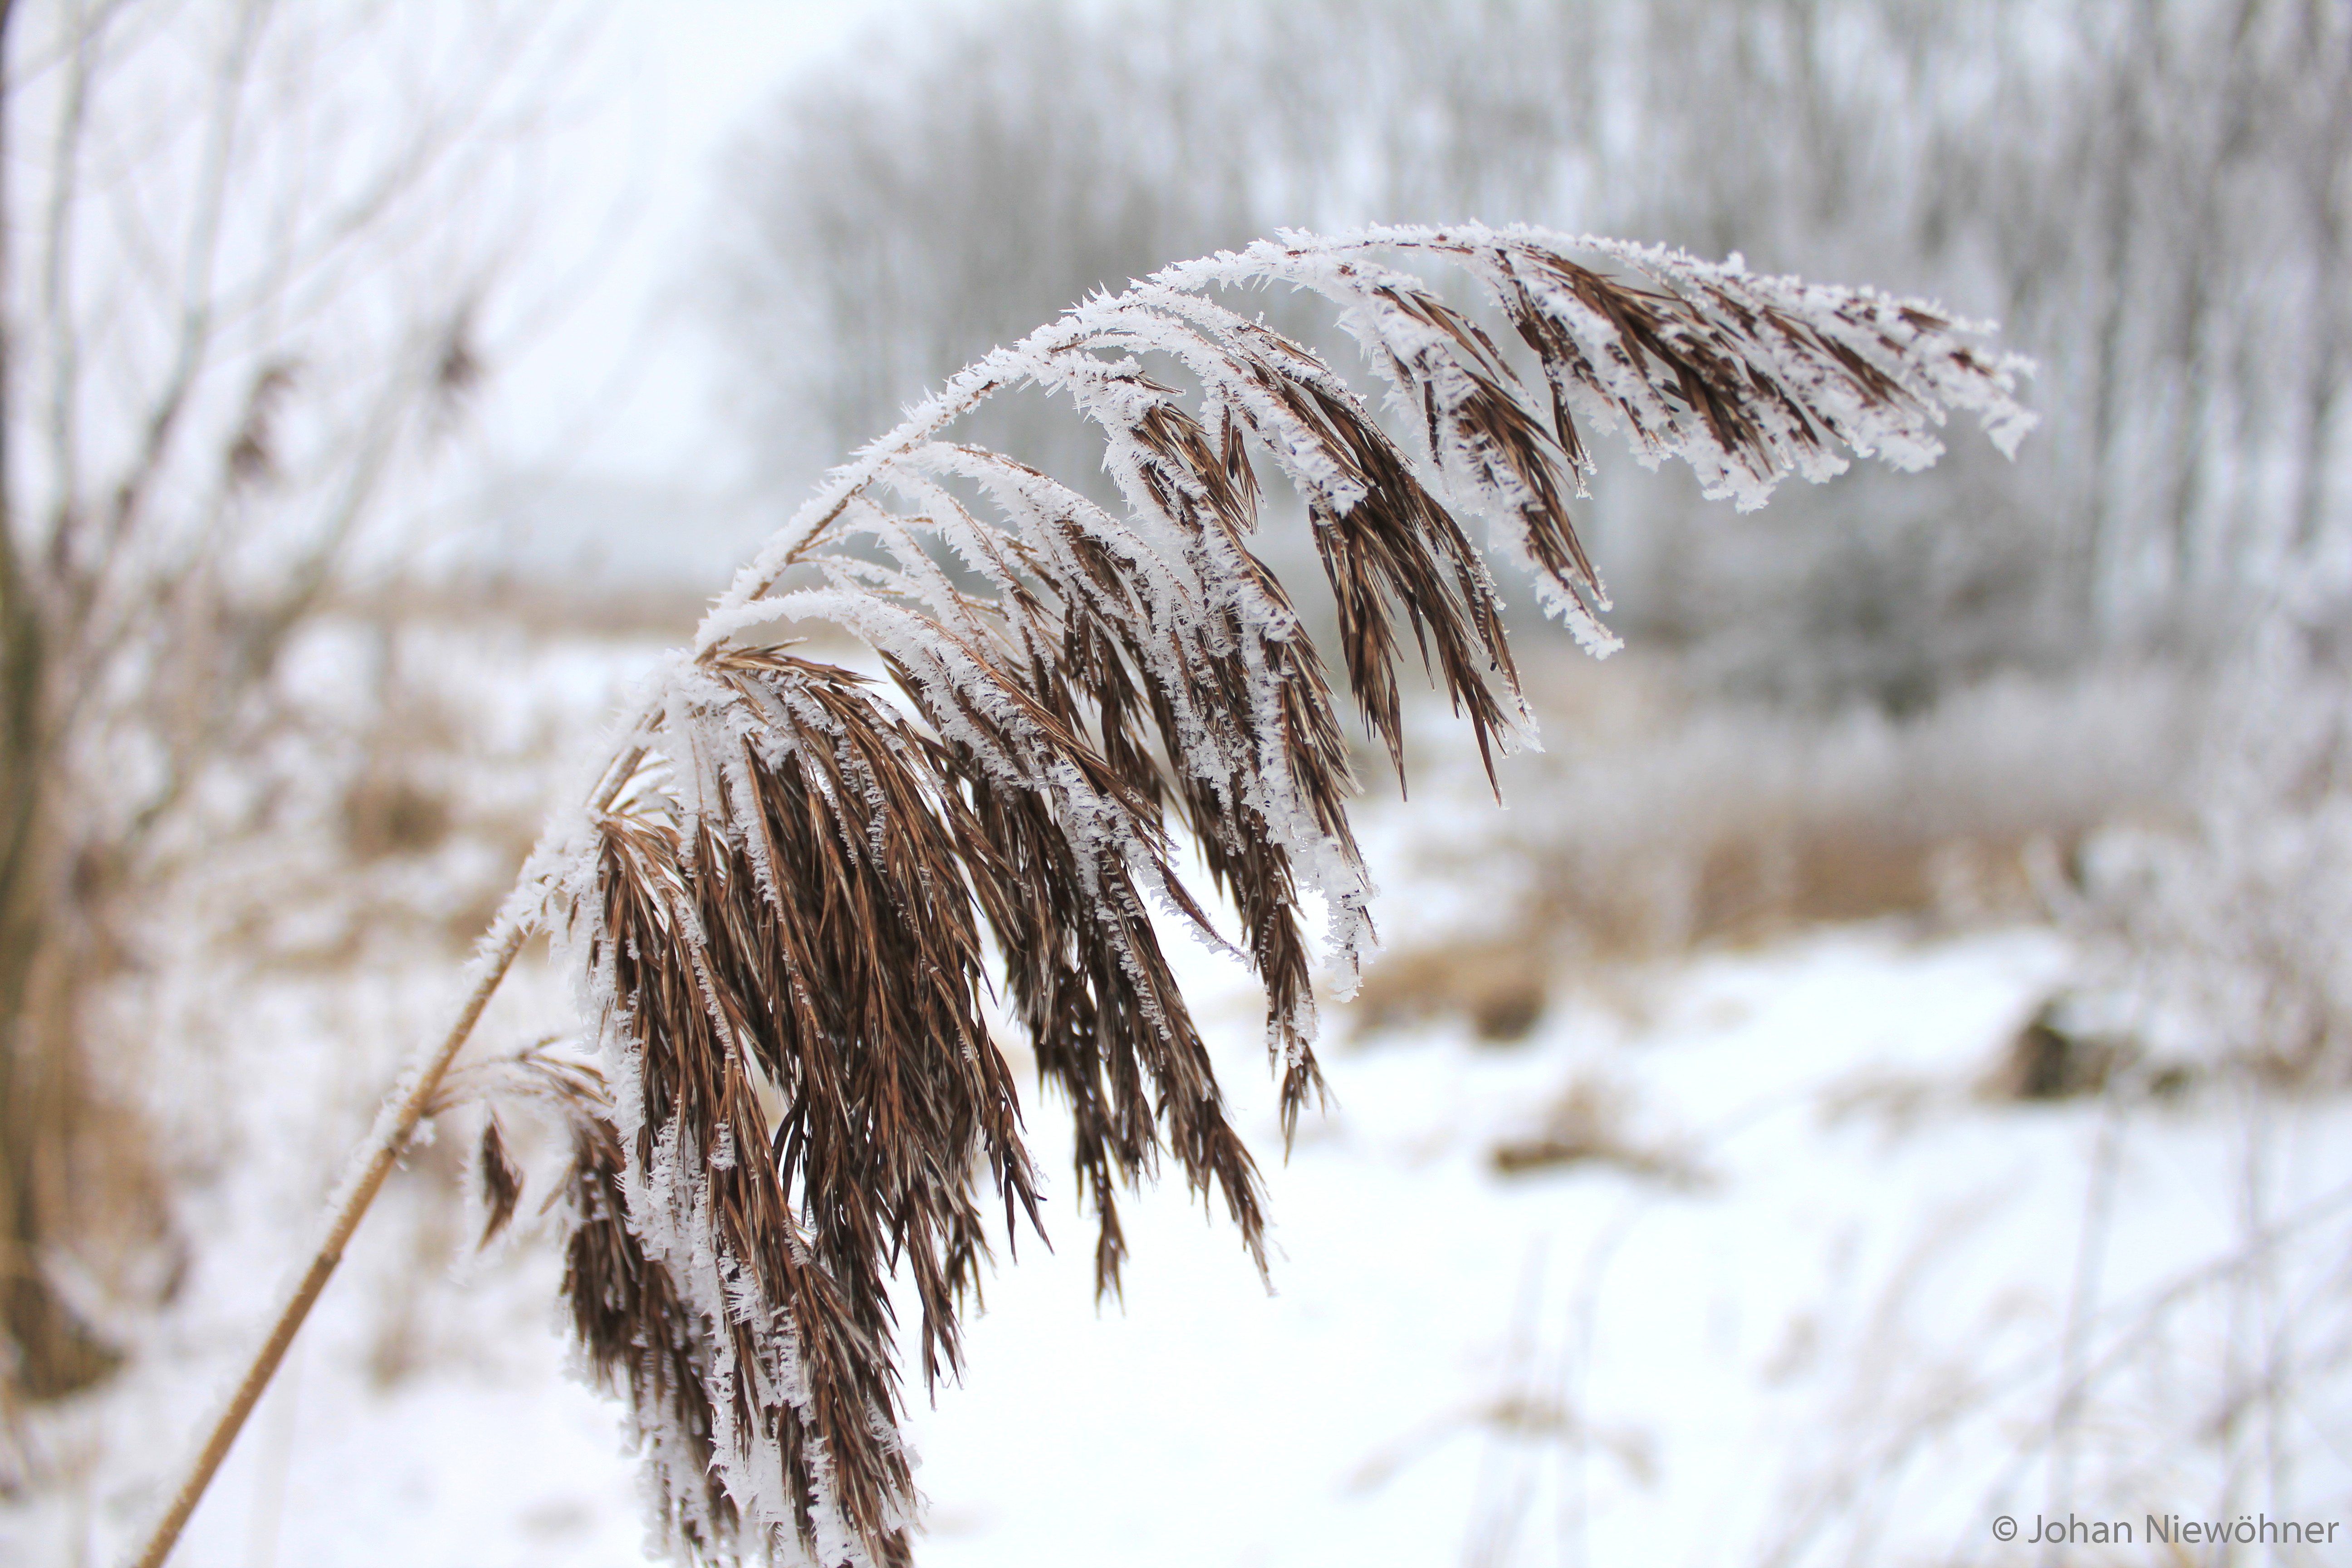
669,82
605,407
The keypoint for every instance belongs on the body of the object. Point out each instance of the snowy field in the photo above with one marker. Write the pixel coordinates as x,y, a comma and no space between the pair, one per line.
1735,1259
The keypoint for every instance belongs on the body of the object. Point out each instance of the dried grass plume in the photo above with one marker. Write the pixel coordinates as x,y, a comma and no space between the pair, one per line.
796,890
790,914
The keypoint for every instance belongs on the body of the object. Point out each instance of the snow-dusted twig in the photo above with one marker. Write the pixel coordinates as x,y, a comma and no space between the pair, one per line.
790,895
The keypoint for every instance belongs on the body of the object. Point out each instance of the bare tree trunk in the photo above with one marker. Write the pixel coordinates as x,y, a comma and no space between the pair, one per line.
2106,547
158,461
54,1353
2324,156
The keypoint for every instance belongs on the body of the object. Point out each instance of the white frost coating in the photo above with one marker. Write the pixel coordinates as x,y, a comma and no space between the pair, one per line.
1872,374
667,1199
1928,362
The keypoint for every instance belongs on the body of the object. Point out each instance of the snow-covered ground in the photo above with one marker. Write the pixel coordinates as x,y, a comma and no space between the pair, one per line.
1811,1294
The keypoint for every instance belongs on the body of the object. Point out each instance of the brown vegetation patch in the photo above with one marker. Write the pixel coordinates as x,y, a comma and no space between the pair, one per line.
1671,820
2056,1054
1590,1125
1500,987
387,814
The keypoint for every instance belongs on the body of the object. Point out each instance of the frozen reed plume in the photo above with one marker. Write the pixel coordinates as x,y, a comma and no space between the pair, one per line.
794,889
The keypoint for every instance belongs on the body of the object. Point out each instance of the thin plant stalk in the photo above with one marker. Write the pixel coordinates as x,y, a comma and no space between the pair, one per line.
394,1129
410,1102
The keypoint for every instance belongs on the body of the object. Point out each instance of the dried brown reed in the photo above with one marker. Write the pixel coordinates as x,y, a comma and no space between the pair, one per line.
794,889
1672,819
1590,1124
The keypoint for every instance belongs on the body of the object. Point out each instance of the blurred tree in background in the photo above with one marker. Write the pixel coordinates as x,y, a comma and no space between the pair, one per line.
2150,194
248,249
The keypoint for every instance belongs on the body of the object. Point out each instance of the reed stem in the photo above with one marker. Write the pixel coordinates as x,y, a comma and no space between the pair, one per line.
393,1131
